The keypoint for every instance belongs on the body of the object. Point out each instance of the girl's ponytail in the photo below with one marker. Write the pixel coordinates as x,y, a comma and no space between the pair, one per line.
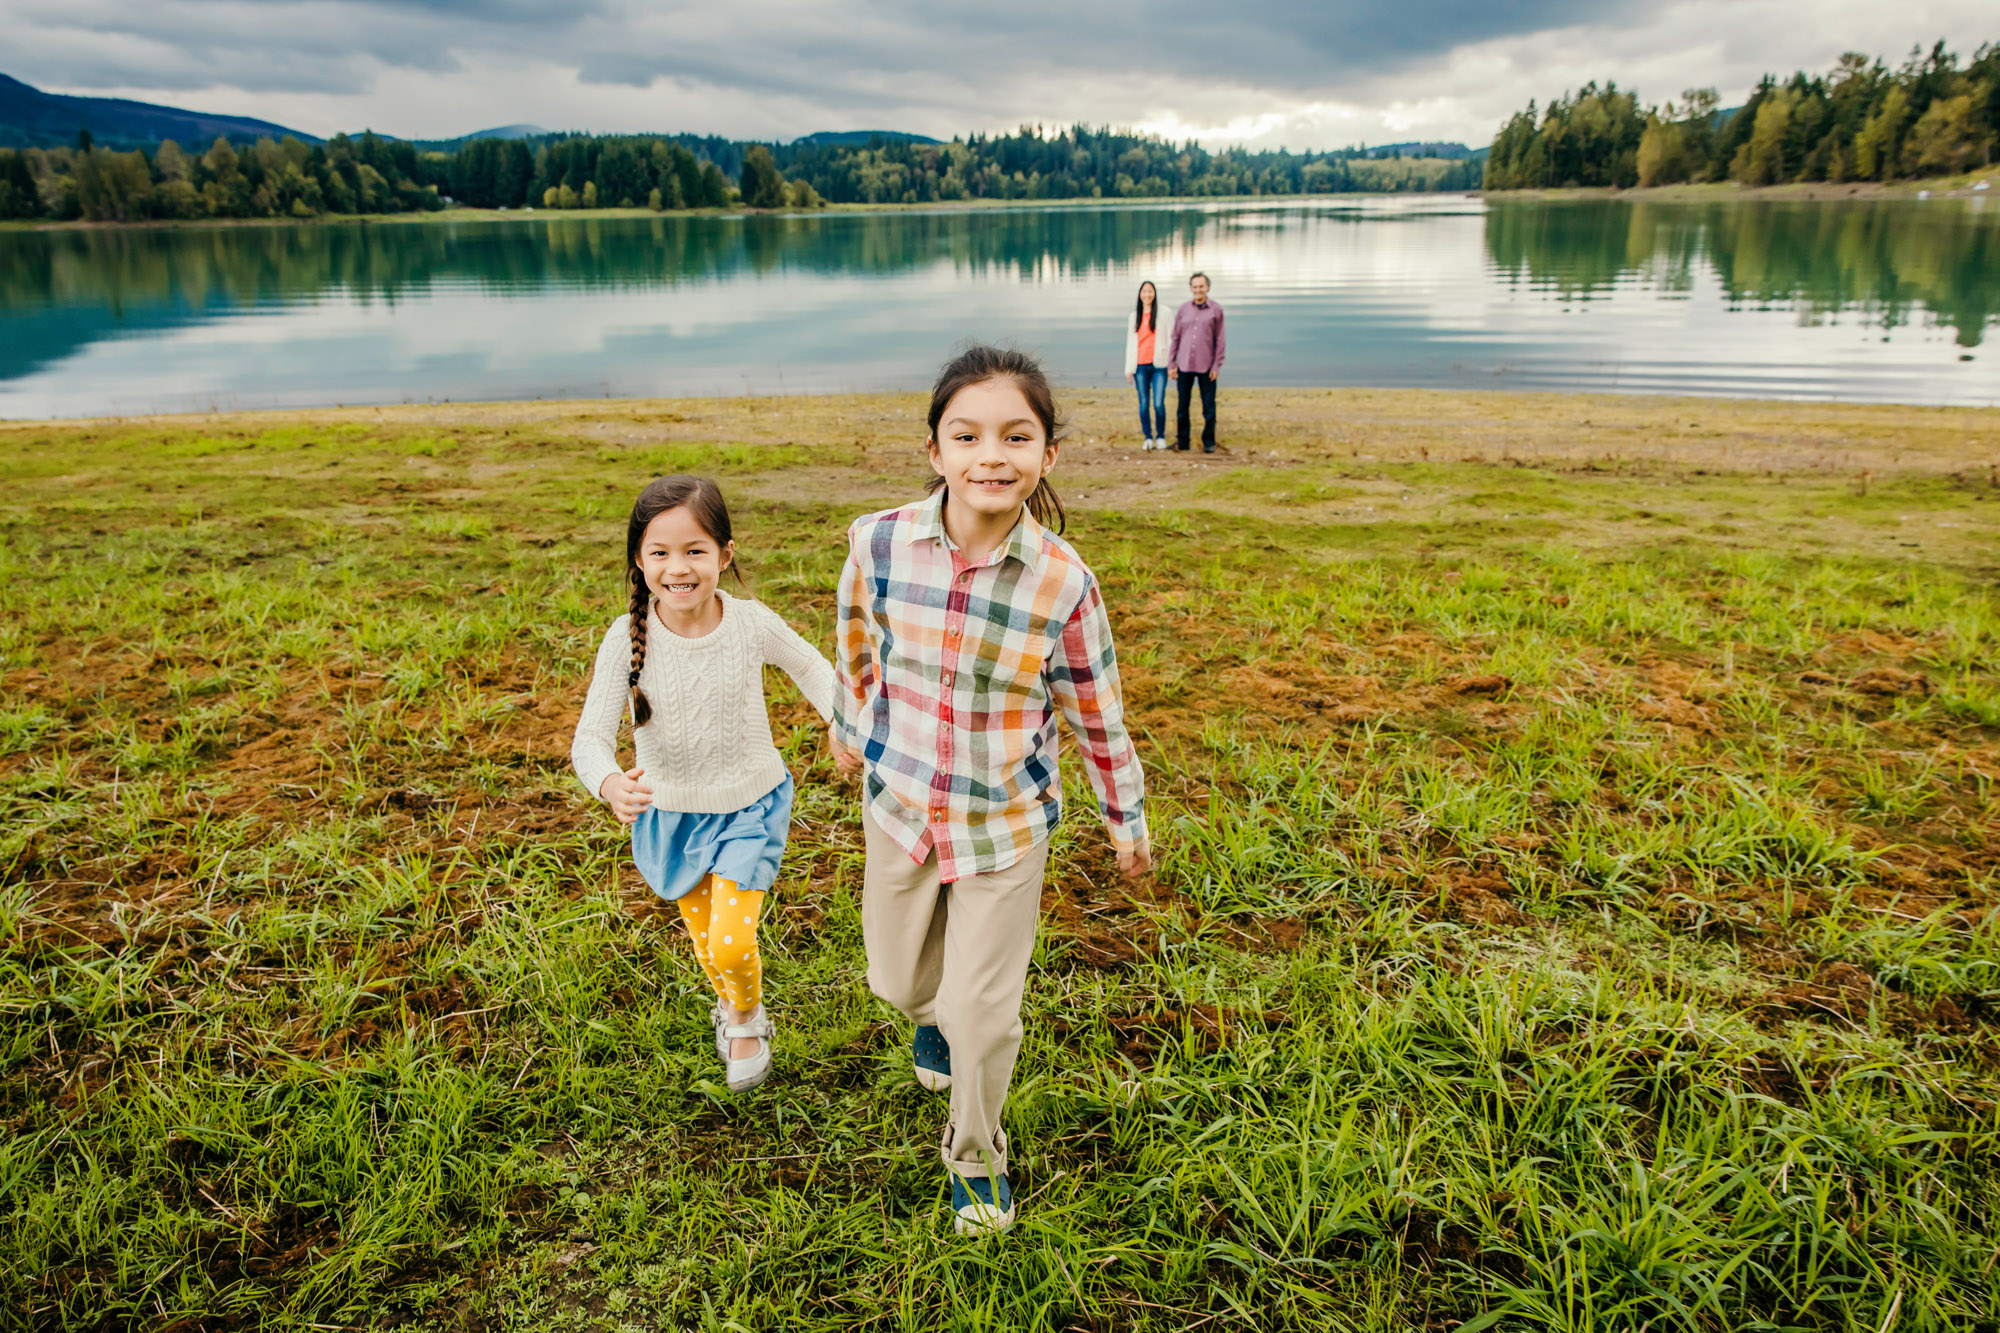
642,709
1047,507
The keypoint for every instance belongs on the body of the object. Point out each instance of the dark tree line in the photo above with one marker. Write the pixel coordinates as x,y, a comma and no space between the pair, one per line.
370,174
366,174
1084,163
1860,121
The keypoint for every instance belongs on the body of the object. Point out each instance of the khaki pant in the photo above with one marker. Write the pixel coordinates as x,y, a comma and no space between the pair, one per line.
956,955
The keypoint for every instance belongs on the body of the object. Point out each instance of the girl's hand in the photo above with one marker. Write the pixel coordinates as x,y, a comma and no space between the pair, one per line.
626,795
847,761
1136,862
1129,379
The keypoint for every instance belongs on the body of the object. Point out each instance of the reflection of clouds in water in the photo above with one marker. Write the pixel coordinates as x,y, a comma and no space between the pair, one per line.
723,336
1373,292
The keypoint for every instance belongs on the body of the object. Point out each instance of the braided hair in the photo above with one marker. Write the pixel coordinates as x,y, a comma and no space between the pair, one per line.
703,500
642,711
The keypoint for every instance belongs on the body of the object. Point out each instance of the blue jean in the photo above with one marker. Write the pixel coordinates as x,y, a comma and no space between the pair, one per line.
1151,382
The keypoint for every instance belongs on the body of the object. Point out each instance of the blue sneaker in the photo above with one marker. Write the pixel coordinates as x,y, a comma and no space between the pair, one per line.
984,1205
931,1054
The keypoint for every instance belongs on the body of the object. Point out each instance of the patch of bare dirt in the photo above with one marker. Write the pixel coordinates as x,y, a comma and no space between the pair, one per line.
1104,918
1201,1029
1888,681
1477,894
1840,990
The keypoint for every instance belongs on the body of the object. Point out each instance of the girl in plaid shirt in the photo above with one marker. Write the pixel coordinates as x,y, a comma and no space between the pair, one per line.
966,623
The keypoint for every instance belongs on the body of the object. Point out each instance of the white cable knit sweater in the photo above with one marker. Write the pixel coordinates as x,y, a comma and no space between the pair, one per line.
707,749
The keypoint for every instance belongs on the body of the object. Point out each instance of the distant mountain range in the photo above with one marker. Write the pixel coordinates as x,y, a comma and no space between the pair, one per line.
860,138
31,118
1451,152
497,132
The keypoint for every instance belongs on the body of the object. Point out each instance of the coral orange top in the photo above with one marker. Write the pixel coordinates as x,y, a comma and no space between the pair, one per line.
1146,337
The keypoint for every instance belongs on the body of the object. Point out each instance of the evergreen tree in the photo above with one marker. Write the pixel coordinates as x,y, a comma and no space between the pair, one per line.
688,172
714,189
18,196
760,183
1947,138
1760,160
1880,142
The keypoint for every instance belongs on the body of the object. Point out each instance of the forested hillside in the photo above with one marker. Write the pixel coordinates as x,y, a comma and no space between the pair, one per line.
31,118
1080,162
1861,121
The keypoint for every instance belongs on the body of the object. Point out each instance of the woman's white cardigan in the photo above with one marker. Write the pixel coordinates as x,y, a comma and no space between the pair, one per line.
1161,337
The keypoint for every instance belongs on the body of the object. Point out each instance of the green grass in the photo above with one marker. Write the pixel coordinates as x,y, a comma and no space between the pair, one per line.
1580,923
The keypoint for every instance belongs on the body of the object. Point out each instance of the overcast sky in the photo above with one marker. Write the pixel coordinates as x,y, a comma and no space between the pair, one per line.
1301,73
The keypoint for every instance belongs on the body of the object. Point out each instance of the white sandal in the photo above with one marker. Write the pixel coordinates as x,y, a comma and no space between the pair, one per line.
718,1018
743,1075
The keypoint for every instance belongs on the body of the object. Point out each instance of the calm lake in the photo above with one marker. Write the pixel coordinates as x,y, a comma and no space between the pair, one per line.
1881,300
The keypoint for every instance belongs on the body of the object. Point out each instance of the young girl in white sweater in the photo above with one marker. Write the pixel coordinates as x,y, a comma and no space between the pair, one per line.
709,799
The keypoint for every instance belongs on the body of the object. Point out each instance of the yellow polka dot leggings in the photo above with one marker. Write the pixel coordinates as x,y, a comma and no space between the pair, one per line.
722,921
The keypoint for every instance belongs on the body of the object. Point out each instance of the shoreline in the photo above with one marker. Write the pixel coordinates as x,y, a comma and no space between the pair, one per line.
1508,425
1961,186
467,214
1078,394
1945,187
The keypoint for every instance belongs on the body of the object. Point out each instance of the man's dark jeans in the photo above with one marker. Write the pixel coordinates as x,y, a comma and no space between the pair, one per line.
1185,385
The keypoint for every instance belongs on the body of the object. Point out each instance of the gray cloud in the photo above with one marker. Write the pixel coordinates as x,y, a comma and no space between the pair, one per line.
1289,45
854,52
532,13
337,46
1302,72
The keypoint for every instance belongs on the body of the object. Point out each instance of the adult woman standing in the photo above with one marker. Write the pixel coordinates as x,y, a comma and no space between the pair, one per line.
1146,366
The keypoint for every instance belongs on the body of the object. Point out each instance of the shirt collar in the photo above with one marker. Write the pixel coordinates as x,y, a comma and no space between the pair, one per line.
1024,543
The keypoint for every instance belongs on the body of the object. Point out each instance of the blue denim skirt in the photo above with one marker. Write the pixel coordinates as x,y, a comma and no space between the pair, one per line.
675,850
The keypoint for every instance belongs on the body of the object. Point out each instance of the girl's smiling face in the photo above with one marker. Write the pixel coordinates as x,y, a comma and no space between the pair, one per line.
681,563
991,449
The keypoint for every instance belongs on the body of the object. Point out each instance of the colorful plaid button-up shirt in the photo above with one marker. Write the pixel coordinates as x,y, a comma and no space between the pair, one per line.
950,674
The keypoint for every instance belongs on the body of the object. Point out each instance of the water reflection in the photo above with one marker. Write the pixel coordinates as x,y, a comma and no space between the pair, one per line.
1725,298
235,266
1884,261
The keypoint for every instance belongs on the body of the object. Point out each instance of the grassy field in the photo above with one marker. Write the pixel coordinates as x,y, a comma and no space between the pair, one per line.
1578,822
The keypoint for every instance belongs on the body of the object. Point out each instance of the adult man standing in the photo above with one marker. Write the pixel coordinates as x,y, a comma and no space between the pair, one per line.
1194,357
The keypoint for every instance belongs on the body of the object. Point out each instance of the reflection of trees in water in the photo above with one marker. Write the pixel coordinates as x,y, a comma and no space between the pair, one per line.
233,266
1882,259
1023,241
